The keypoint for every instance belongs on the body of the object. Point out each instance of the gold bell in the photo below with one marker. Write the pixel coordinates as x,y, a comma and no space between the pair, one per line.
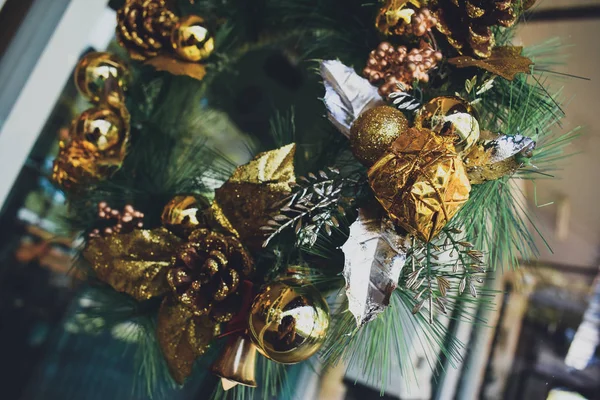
237,363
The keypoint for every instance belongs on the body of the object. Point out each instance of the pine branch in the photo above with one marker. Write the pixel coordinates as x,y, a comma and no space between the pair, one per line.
435,266
404,101
395,338
311,208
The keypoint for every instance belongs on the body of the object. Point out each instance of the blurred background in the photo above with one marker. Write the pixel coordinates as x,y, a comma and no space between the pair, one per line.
542,338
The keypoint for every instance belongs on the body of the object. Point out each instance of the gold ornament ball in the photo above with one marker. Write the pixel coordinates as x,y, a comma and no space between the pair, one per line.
288,321
374,131
192,40
449,115
94,69
181,215
101,127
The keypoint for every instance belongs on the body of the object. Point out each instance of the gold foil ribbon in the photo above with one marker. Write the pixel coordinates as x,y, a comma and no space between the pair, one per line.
421,182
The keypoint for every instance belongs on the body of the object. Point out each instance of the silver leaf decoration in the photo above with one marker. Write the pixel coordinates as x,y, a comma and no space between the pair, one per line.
404,101
506,146
347,94
375,255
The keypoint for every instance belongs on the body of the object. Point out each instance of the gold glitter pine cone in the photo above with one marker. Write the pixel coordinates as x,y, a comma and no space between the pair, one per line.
467,24
144,27
206,273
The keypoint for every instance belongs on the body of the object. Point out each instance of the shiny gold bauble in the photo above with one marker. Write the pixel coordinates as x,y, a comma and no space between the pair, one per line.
374,131
288,321
449,115
94,69
182,214
103,127
192,40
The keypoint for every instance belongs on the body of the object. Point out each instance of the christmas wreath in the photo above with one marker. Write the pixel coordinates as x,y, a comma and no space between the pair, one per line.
330,241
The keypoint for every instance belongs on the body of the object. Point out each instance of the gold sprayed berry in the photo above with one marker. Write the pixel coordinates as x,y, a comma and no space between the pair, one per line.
374,131
94,69
192,40
288,321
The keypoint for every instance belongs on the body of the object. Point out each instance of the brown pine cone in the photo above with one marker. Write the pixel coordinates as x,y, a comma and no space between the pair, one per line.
467,23
206,274
144,27
389,66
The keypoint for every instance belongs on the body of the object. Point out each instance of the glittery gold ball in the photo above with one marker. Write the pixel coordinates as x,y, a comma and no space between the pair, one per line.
450,115
101,127
192,40
374,131
181,215
288,321
93,70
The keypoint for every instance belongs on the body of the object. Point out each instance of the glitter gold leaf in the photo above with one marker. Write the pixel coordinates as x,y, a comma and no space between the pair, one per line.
182,336
134,263
505,61
177,67
246,201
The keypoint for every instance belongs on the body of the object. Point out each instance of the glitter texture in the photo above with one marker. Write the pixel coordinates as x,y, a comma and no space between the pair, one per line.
182,337
374,131
206,272
246,201
134,263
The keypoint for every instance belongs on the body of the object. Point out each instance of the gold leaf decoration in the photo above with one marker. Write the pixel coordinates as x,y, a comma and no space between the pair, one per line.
135,263
505,61
245,202
177,67
182,337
